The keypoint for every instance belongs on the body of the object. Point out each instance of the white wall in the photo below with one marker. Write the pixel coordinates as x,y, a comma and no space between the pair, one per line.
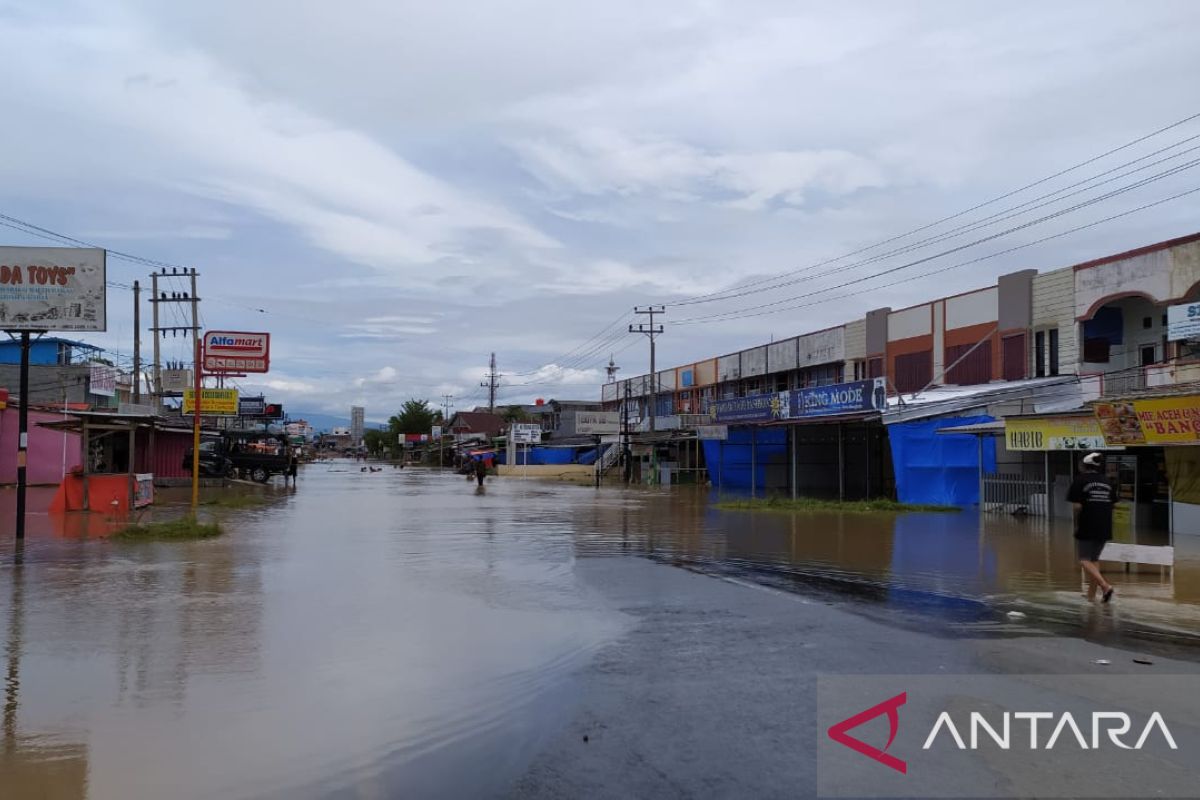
1148,274
729,367
972,309
823,347
1054,307
910,322
781,356
854,336
939,341
754,361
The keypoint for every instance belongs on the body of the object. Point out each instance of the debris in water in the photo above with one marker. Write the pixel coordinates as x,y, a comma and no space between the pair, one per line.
1142,661
1016,615
1104,662
585,738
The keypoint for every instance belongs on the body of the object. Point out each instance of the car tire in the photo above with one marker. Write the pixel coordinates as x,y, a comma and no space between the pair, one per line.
260,474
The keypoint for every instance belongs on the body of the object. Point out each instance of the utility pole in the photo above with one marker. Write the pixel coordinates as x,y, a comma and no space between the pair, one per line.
492,384
156,389
650,330
446,398
612,369
137,343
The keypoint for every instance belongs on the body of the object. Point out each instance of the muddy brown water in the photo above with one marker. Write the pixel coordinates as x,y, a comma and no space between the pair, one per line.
367,629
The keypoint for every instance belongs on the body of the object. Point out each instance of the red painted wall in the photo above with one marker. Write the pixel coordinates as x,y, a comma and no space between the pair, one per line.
45,465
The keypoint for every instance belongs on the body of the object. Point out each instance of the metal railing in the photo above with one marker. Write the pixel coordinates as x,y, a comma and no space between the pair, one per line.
1125,382
1014,493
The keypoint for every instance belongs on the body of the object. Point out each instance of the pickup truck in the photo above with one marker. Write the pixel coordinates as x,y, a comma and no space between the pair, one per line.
257,456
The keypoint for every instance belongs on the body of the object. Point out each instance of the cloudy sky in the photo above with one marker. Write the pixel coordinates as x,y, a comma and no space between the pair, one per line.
396,189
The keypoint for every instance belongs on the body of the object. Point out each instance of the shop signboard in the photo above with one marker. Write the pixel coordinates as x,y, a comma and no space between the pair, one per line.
840,398
1183,322
436,431
712,432
213,402
1072,432
237,351
526,433
1150,421
252,406
102,380
597,423
176,380
755,408
52,289
143,494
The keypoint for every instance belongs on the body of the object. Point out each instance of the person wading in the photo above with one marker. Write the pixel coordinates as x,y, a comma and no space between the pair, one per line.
480,471
1093,495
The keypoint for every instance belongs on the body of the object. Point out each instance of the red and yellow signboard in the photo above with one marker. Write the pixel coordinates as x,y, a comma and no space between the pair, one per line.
1152,421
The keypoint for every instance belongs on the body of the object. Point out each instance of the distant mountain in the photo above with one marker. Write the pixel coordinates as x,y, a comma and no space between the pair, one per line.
323,423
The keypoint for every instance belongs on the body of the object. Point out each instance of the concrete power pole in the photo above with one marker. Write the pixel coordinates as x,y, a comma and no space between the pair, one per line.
137,343
650,330
492,384
446,398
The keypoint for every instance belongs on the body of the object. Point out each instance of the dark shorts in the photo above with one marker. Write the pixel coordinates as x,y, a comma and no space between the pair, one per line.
1089,549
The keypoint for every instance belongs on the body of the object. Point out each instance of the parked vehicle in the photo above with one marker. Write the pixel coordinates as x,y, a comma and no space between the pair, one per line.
248,454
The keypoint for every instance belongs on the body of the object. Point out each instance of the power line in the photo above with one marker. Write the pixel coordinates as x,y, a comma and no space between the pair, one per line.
742,312
713,296
699,320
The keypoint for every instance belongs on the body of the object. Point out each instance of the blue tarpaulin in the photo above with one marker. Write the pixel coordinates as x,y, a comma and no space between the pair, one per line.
729,461
943,470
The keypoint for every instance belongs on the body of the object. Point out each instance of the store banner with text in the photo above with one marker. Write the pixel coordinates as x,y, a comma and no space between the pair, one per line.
1151,421
1052,433
213,402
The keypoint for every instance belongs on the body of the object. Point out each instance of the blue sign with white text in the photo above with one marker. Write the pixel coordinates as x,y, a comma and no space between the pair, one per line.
840,398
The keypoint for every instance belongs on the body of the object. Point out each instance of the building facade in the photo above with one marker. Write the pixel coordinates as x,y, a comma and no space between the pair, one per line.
357,425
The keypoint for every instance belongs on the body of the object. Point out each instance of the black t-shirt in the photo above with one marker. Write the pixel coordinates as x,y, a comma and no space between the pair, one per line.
1097,495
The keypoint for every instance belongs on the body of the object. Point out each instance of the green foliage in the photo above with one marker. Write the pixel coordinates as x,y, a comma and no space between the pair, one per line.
379,443
415,416
811,505
174,530
513,414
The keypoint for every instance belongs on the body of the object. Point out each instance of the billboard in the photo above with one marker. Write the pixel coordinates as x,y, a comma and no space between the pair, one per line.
237,351
838,398
213,402
102,380
252,406
1153,421
52,289
526,433
1183,322
597,422
1052,433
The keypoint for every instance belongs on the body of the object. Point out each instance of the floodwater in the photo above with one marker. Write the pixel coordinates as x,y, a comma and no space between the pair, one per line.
370,631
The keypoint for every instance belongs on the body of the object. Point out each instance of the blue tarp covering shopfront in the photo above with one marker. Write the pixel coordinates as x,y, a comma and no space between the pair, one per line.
942,470
541,456
728,462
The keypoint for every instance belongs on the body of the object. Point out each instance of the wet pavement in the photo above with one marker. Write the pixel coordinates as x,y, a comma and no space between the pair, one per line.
401,634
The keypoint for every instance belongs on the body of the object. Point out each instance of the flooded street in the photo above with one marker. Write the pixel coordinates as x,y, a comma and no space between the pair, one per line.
378,634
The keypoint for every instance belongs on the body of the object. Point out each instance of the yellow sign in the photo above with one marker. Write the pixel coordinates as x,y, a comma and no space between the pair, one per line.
1052,433
1154,421
213,402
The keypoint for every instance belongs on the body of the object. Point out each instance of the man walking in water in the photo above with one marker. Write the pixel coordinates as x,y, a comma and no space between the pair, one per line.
480,470
1092,496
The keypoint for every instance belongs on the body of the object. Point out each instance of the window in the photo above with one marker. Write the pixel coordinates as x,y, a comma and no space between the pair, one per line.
875,368
1147,322
974,367
1147,355
1013,357
1054,351
914,371
1039,354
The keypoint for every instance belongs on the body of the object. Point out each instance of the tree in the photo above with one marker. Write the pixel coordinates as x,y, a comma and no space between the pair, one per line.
513,414
415,416
379,443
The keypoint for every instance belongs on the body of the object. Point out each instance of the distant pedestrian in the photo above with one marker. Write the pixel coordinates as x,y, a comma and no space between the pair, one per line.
1093,495
480,471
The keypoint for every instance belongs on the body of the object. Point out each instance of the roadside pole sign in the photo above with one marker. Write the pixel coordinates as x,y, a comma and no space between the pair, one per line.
595,423
46,289
237,351
712,432
526,433
213,402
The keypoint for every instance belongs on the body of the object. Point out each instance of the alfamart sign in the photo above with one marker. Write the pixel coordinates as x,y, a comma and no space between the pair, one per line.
237,351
